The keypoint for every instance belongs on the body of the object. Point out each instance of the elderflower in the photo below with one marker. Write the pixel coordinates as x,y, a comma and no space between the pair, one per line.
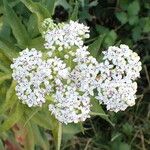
119,69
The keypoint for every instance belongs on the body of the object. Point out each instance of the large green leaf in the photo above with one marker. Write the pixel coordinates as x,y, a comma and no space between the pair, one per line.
18,28
37,9
8,49
32,26
10,98
97,110
12,119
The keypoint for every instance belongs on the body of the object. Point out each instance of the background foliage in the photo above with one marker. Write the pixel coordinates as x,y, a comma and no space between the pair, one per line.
111,22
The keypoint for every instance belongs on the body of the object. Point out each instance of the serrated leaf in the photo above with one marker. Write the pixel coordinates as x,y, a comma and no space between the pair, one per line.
122,17
37,9
133,8
74,15
17,27
12,119
97,110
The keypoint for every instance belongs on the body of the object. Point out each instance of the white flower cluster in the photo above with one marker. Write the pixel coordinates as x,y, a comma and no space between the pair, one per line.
66,36
32,76
70,106
71,76
118,72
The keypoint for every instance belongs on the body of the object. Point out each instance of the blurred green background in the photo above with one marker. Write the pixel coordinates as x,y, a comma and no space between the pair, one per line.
111,22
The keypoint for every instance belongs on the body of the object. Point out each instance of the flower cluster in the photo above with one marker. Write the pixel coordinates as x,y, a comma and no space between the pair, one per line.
118,72
32,79
66,36
71,76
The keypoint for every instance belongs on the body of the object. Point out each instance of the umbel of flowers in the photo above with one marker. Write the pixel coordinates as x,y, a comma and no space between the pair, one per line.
71,76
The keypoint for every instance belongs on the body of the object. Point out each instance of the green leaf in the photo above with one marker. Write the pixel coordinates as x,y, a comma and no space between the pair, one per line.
93,3
32,26
57,132
70,130
18,28
146,27
94,48
124,4
39,139
133,8
127,129
8,49
12,119
74,15
63,3
4,68
4,77
110,38
40,118
37,43
101,29
97,110
1,145
10,98
124,146
122,17
29,140
37,9
51,6
133,20
136,33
